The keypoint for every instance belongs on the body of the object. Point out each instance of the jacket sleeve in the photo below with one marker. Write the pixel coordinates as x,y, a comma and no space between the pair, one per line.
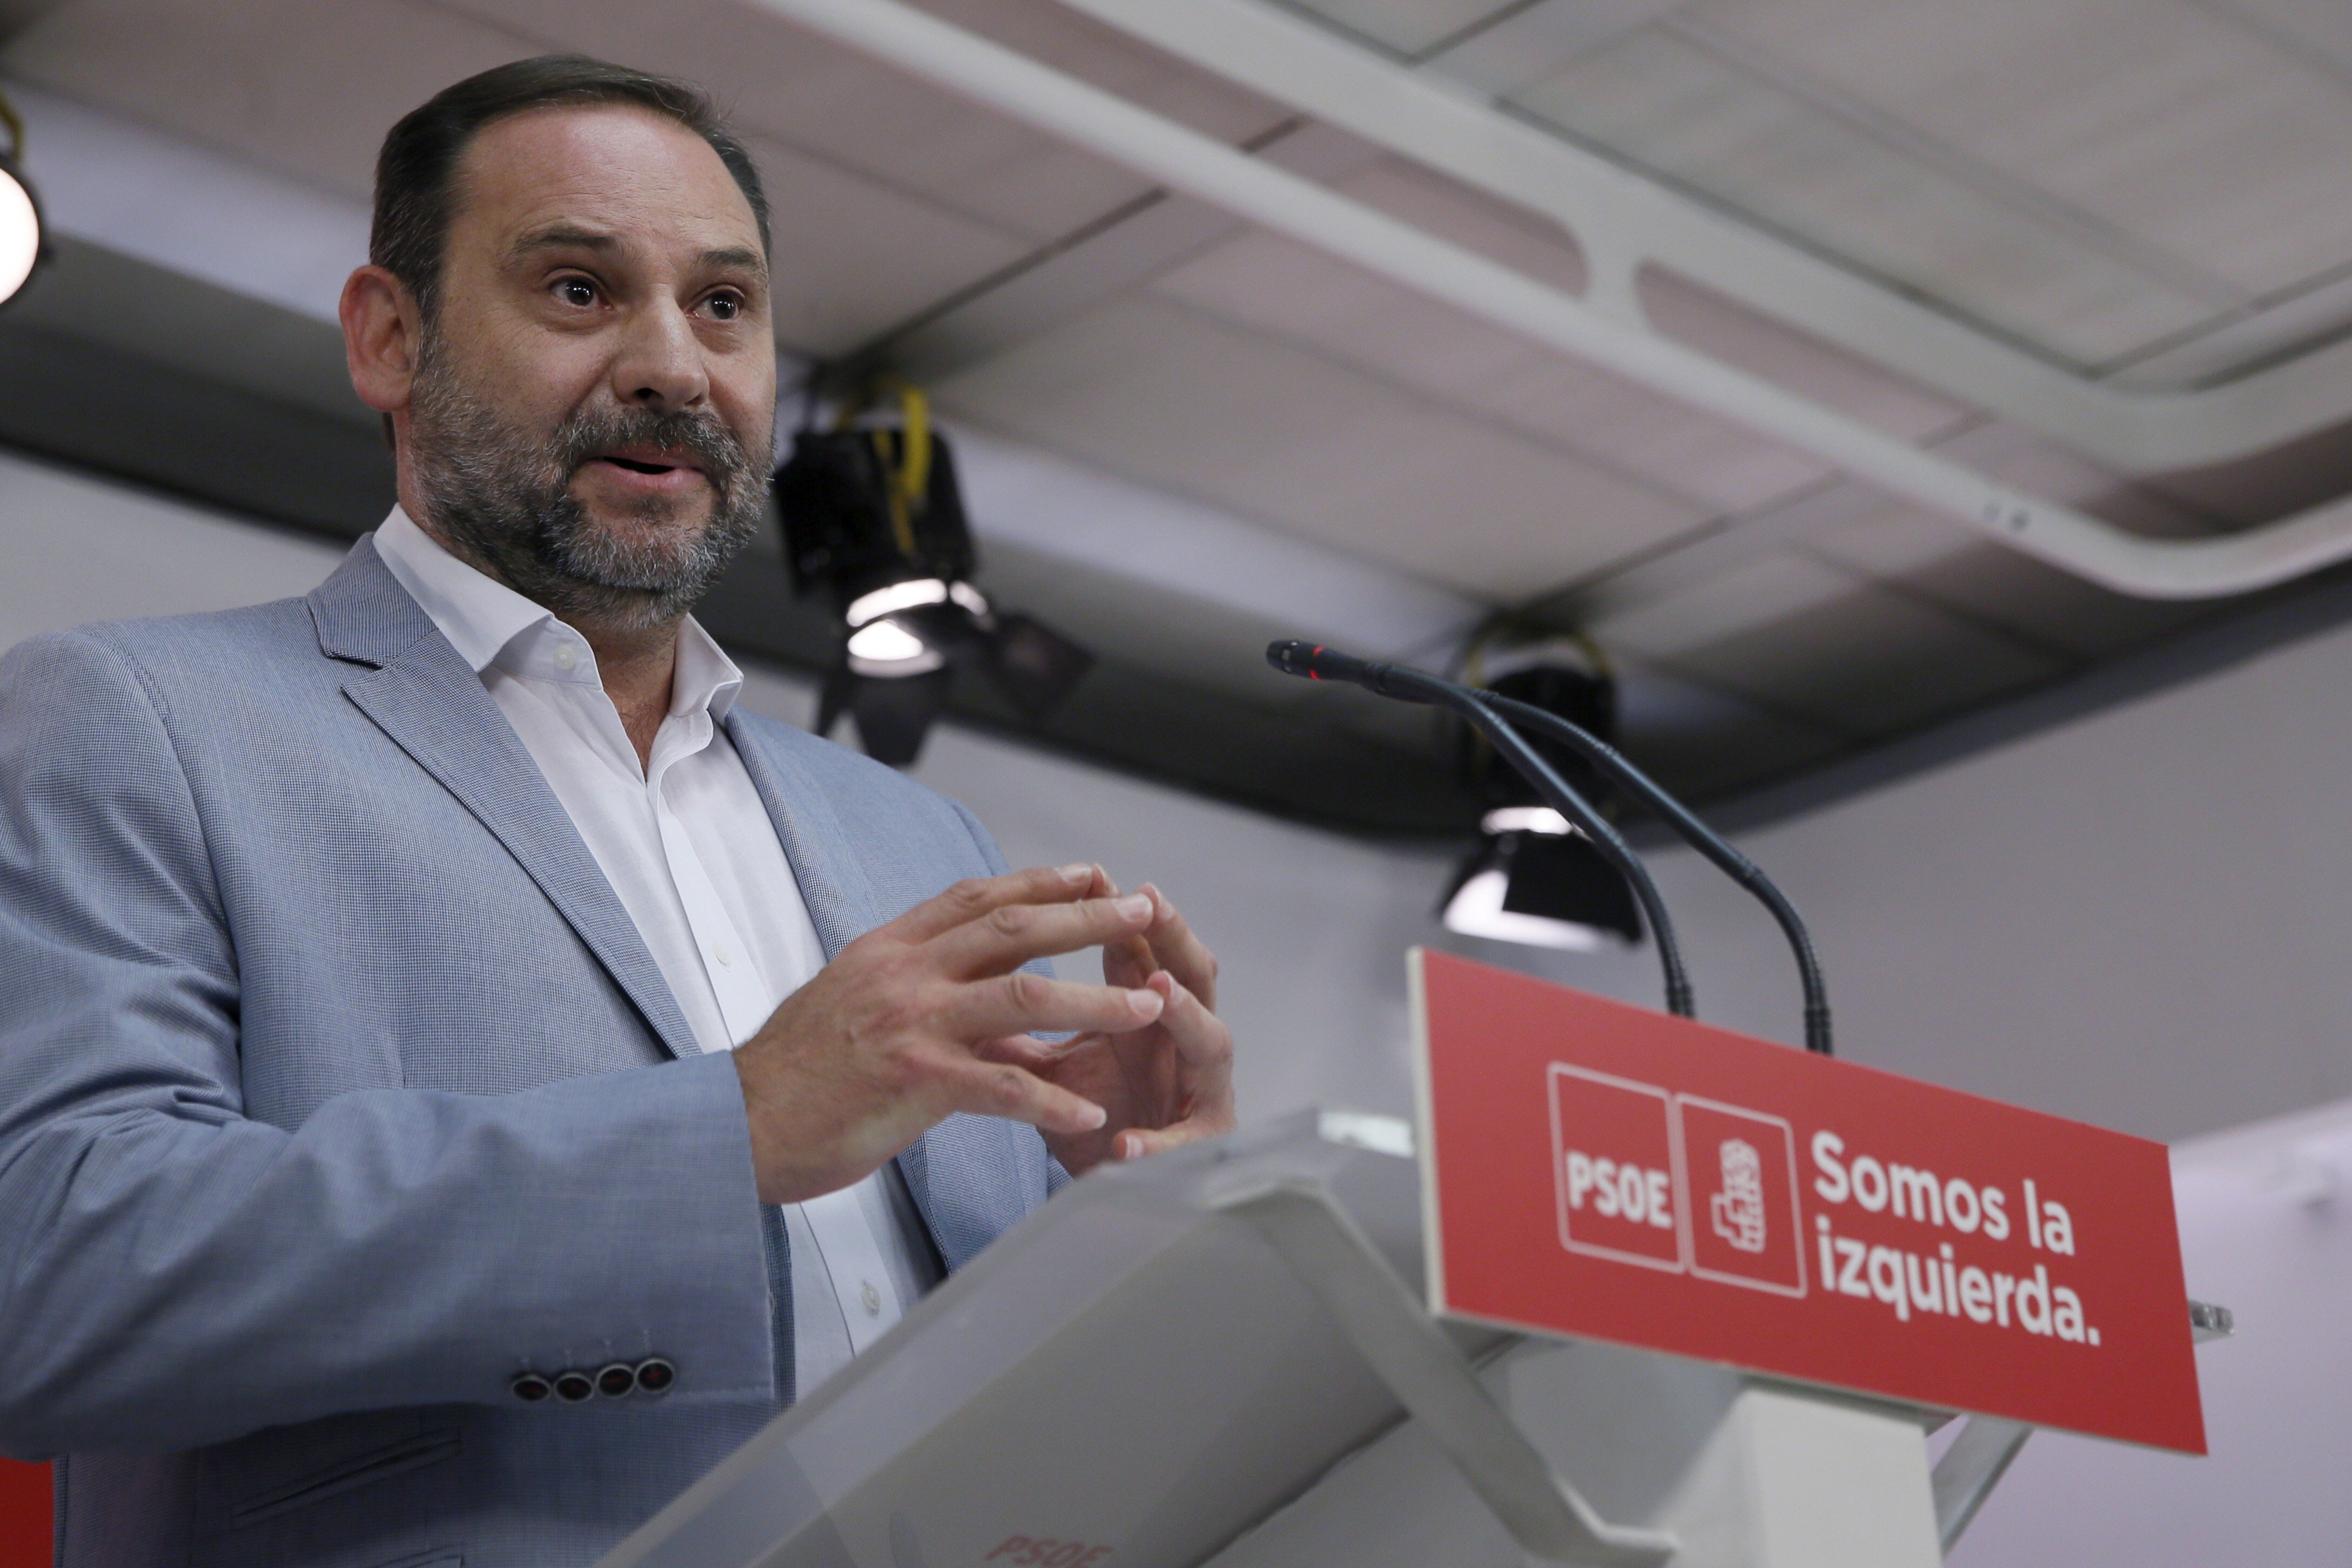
174,1273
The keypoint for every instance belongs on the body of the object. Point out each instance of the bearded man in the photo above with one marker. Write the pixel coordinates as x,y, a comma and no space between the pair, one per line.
461,1075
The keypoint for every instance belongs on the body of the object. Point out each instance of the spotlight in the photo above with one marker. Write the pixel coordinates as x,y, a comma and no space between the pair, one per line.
1534,879
874,516
20,210
1542,884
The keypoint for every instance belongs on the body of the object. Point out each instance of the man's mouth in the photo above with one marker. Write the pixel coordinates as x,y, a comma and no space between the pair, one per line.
650,462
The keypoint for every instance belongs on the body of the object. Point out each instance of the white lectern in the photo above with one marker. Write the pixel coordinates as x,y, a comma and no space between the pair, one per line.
1220,1357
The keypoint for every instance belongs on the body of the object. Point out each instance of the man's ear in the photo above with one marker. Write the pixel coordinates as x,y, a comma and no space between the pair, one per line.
383,331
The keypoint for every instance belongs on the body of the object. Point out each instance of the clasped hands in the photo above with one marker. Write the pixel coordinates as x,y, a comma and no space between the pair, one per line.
933,1013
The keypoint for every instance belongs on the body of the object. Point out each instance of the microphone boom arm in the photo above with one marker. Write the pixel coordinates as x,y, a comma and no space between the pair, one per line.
1700,837
1406,684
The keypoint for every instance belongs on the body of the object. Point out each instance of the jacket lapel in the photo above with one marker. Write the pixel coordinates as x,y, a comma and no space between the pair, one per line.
835,886
959,1174
413,685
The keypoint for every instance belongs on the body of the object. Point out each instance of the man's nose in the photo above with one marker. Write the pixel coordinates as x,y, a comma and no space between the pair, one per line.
660,363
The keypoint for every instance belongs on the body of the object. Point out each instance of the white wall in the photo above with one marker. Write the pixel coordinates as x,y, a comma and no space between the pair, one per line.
2266,1231
73,549
2142,919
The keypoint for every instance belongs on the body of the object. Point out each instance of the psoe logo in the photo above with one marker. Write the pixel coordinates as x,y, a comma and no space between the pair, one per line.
1741,1174
1674,1182
1738,1209
1612,1155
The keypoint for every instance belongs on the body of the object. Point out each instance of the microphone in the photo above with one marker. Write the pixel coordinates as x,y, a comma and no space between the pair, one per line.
1702,839
1316,663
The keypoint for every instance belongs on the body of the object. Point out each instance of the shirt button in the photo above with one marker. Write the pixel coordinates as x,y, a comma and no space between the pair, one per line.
565,656
873,1300
725,959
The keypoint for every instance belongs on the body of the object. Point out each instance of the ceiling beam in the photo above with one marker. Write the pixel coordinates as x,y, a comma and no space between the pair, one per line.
1625,220
1338,225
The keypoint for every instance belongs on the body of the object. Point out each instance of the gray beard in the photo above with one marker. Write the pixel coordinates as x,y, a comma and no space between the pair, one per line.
503,496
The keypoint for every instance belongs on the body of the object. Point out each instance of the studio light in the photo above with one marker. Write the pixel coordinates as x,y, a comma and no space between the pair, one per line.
874,518
20,210
1534,879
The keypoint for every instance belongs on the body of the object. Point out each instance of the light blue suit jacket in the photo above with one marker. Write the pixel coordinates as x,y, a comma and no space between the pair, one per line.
337,1088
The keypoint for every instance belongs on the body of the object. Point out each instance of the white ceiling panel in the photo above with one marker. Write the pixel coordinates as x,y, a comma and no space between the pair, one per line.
2040,605
2166,118
1182,399
1018,495
2324,27
1409,27
302,90
144,193
836,104
1663,103
1271,285
2279,328
1758,594
2041,467
1868,661
1524,241
1116,62
275,83
1706,320
814,95
853,257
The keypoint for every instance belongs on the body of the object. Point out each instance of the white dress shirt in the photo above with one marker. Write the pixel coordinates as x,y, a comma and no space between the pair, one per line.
688,845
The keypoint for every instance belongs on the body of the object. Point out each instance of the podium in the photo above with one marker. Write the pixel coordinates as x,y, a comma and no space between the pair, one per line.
1631,1291
1219,1356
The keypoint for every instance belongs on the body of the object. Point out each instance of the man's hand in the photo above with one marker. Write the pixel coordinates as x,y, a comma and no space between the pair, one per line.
1161,1084
888,1039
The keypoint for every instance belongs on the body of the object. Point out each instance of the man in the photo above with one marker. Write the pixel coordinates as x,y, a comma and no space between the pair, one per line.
377,1183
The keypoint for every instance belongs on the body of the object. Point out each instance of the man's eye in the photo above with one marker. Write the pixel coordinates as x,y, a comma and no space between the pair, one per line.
725,306
576,291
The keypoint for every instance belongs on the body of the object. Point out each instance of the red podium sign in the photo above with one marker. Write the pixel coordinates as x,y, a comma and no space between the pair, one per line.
1604,1172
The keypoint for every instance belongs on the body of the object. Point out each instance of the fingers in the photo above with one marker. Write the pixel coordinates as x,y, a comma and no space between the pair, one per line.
1022,1051
971,899
1177,950
1136,1142
1128,961
1204,1046
1011,935
1200,1036
1024,1003
1000,1088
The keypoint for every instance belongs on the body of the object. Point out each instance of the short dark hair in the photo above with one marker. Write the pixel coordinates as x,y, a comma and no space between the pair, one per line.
418,163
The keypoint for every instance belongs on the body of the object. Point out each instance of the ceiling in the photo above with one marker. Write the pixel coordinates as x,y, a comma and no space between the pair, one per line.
1183,435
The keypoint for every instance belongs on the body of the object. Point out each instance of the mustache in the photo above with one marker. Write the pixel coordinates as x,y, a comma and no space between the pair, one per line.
596,429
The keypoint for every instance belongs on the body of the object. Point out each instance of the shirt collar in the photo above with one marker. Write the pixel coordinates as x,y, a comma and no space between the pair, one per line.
483,618
705,676
479,614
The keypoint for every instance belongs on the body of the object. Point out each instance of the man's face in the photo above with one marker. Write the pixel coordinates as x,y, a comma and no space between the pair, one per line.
592,409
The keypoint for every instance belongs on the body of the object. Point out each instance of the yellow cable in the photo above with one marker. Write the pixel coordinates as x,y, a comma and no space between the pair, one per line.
910,477
914,470
906,471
